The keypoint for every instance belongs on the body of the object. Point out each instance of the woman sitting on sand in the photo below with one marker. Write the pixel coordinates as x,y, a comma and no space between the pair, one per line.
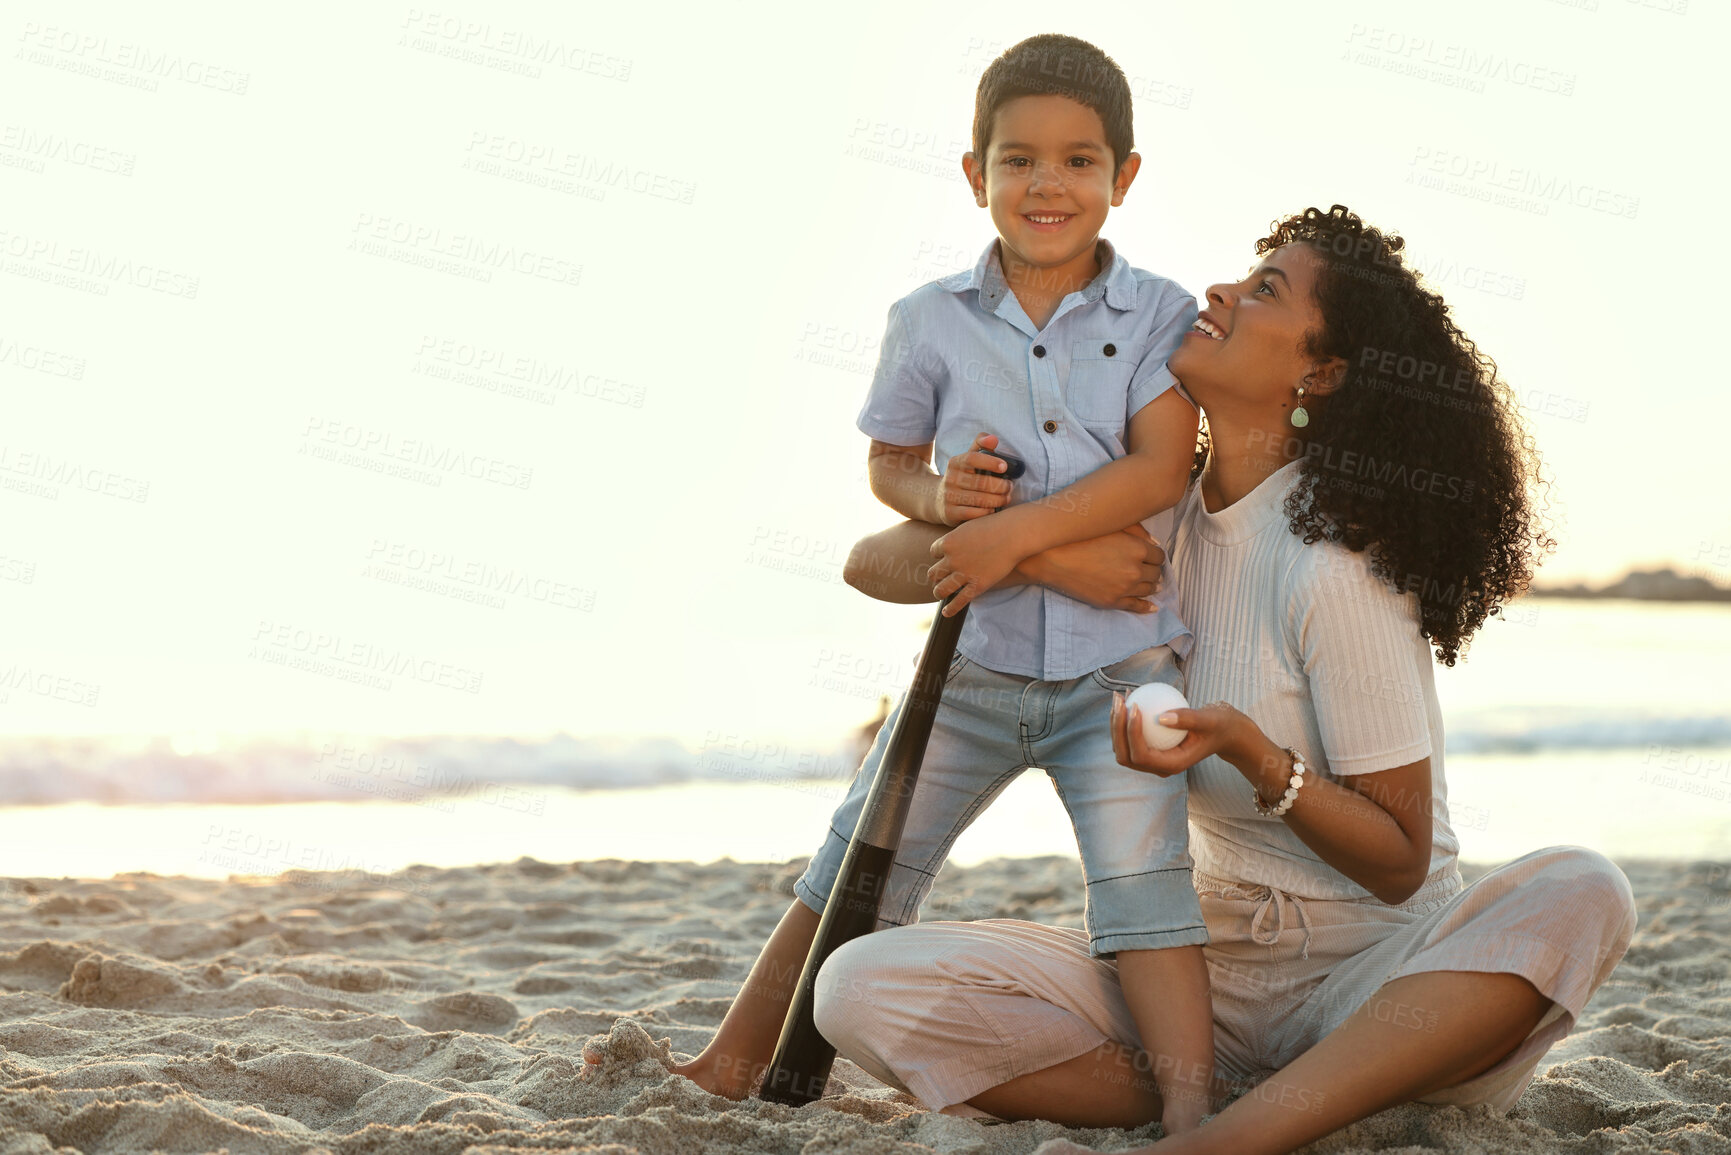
1364,499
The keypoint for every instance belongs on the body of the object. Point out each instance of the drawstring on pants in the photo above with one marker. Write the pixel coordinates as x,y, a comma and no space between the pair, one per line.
1268,898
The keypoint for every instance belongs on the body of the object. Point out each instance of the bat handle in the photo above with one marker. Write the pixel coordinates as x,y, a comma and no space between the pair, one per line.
799,1069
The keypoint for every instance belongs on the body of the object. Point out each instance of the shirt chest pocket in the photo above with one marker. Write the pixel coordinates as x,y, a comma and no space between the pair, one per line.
1098,386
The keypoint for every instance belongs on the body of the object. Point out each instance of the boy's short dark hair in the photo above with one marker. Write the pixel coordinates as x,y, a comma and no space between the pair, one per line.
1054,65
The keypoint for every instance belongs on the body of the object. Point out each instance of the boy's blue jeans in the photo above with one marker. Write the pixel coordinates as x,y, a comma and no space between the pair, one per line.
1131,827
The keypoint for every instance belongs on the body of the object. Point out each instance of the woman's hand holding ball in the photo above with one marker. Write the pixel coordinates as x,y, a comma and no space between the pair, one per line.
1150,703
1157,732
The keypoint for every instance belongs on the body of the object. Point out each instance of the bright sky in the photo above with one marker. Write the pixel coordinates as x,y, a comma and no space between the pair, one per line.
270,282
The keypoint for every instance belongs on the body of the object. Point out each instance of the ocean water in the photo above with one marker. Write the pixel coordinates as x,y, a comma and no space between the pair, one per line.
1606,724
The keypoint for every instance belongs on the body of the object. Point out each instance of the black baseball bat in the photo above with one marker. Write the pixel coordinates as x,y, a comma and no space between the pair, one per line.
799,1069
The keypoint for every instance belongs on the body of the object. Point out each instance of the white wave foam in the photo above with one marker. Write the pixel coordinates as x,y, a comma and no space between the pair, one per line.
35,771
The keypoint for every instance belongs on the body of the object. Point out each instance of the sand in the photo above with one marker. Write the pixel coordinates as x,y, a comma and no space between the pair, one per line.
448,1010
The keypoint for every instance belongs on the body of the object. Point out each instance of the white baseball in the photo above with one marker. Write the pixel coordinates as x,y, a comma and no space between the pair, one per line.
1153,700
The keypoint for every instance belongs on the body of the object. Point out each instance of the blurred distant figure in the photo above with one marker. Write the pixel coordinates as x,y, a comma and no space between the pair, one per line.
868,733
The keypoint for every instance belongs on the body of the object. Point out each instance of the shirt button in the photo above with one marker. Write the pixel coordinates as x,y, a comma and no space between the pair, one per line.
1051,427
1111,350
1039,350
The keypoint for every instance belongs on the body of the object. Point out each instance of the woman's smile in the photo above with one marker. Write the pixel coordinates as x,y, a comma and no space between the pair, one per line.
1207,326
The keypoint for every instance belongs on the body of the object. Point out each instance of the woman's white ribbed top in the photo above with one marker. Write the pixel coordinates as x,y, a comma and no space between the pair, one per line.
1322,654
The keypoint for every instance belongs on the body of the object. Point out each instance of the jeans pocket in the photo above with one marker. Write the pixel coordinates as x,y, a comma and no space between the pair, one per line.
1155,664
1118,685
957,665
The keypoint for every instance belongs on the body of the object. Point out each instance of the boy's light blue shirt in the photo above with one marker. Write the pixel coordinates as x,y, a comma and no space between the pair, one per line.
960,357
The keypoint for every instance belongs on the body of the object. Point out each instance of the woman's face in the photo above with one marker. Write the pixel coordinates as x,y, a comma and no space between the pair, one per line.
1246,350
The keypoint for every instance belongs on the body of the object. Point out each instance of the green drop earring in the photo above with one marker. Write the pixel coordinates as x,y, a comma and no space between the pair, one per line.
1299,417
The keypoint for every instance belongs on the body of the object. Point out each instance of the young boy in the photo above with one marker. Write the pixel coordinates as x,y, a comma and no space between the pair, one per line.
1056,346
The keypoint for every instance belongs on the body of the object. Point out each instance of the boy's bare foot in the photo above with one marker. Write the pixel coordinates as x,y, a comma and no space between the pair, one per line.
706,1073
1178,1122
737,1057
721,1077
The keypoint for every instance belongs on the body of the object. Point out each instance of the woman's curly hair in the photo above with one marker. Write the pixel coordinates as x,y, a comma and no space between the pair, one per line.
1419,455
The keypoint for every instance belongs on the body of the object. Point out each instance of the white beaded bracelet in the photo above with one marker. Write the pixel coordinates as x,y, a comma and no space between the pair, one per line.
1292,785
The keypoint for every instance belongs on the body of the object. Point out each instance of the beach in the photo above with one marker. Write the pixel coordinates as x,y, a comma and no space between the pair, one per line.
449,1009
431,472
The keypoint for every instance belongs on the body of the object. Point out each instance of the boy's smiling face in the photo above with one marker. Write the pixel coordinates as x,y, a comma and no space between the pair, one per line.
1047,180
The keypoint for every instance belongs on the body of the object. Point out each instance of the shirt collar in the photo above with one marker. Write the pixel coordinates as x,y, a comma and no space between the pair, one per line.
1115,281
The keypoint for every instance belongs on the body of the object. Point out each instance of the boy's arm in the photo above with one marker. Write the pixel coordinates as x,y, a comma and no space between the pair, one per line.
1150,477
1116,571
902,478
